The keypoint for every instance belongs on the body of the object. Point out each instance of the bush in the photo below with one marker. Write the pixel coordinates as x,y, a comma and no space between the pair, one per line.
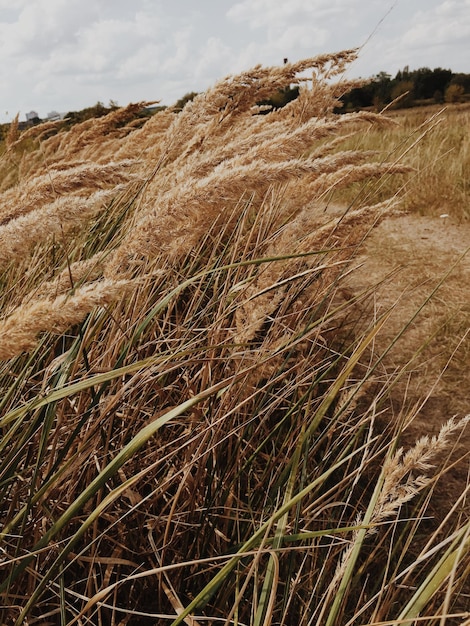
454,93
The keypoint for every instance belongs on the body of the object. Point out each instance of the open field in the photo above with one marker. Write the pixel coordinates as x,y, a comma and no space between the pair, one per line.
233,392
435,142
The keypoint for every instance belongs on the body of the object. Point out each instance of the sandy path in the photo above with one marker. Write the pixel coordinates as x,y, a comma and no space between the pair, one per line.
419,251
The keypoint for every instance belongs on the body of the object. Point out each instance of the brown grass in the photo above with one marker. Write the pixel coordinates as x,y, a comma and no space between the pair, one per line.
434,142
195,426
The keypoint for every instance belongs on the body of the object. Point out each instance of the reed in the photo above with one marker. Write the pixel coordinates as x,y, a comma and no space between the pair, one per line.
196,423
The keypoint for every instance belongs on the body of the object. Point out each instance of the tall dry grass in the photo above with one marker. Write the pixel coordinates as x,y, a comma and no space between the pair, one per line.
434,141
195,427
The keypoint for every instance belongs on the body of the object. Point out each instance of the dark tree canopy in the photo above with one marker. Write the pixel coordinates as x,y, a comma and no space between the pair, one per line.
410,86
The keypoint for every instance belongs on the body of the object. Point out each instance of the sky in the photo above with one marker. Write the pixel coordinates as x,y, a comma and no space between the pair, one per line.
65,55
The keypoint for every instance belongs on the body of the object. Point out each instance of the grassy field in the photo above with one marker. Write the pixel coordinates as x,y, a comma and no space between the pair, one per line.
434,141
197,426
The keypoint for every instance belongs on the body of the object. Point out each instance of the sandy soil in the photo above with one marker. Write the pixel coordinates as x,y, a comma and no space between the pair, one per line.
416,253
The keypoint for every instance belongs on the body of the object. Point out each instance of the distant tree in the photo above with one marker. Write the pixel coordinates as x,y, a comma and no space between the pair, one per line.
403,74
281,97
375,93
182,102
454,93
382,87
423,85
427,81
97,110
463,80
358,98
440,80
403,92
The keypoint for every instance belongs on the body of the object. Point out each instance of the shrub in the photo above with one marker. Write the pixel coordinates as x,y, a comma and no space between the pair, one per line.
454,93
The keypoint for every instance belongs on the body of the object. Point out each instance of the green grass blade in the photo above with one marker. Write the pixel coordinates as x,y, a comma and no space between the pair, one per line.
208,591
437,576
110,470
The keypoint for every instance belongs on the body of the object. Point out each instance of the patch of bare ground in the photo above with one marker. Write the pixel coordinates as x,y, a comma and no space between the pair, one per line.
413,259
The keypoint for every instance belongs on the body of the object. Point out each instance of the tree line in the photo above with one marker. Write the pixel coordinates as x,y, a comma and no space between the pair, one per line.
410,88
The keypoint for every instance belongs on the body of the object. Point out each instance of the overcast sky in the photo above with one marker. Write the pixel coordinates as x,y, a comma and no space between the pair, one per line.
68,54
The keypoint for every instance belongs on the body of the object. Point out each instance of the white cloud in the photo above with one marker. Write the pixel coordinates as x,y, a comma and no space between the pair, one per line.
292,29
434,35
12,5
42,26
212,59
448,22
64,54
303,36
180,54
277,13
61,49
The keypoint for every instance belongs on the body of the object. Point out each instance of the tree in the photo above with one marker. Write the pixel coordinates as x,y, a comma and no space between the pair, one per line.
382,84
463,80
182,102
454,93
281,97
404,90
440,80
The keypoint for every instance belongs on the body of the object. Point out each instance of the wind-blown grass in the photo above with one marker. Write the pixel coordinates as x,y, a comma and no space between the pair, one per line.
435,143
194,428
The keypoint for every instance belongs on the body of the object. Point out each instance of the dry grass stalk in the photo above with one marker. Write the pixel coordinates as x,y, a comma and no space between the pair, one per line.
40,190
20,330
86,133
304,234
440,158
355,173
400,483
13,132
36,132
221,187
80,143
19,235
212,114
72,276
149,138
182,216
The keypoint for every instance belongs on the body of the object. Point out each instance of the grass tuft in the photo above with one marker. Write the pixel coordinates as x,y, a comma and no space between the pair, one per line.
198,419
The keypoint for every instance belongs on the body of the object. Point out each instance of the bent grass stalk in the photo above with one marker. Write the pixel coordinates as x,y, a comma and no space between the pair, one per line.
202,598
176,337
443,569
111,469
211,588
